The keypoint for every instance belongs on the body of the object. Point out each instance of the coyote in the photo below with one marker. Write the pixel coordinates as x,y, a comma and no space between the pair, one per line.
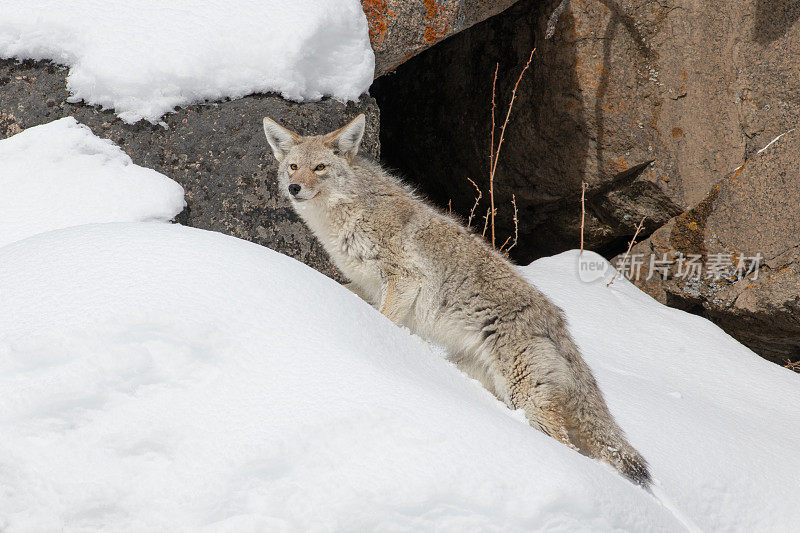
425,270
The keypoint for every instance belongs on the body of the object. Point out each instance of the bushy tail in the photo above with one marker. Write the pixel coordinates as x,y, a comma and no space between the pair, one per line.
589,424
561,398
606,442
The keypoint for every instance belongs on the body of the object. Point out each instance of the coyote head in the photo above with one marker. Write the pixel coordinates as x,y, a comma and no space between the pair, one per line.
309,166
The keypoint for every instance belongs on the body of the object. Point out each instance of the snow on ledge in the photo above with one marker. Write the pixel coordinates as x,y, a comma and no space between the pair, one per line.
144,57
60,174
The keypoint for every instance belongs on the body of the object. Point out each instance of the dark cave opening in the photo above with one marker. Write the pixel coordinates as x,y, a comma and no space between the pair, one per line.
436,127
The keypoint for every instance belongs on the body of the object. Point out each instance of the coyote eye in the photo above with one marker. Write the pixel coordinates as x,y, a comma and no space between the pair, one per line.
319,168
293,166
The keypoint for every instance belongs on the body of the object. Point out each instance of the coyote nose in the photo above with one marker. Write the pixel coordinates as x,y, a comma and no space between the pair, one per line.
294,189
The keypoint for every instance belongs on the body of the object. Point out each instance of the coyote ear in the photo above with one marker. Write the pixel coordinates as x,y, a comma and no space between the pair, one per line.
348,139
279,138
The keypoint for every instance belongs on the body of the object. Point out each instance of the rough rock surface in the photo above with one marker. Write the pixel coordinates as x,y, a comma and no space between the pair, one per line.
217,152
752,211
400,29
649,102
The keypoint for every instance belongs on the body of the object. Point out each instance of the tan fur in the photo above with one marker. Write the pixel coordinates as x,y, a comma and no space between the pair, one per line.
425,270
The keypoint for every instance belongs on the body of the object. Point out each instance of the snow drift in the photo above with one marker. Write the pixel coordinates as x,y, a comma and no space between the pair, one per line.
144,57
60,174
158,377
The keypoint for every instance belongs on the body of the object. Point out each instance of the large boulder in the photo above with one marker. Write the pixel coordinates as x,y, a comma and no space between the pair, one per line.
648,102
745,237
217,152
400,29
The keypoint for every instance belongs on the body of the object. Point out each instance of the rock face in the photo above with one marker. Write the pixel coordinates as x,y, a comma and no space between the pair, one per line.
217,152
751,213
399,29
650,103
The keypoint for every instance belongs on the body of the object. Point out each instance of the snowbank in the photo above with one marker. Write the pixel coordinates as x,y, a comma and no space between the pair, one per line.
716,422
157,377
59,174
144,57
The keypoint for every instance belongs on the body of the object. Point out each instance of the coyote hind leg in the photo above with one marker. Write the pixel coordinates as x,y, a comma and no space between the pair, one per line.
538,385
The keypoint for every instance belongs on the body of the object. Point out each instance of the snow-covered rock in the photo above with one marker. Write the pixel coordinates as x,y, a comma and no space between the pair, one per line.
218,153
144,57
157,377
60,174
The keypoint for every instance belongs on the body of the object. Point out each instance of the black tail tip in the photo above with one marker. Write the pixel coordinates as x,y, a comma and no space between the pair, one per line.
638,473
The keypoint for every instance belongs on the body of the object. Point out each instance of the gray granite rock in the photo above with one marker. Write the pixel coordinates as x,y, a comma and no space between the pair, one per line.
217,152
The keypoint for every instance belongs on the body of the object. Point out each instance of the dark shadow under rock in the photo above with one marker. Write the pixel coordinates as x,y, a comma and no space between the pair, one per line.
436,130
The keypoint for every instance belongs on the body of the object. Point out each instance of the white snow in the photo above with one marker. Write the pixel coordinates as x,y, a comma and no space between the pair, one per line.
144,57
162,378
60,174
716,422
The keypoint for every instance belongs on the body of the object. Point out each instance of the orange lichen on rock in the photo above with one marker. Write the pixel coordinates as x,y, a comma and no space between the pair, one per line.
436,24
688,232
615,107
589,75
379,17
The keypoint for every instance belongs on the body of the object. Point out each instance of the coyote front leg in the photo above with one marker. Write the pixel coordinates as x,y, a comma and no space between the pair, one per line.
397,298
358,291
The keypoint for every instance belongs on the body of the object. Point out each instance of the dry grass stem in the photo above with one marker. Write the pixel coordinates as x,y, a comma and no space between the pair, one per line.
496,152
516,228
628,251
494,106
475,205
494,155
583,211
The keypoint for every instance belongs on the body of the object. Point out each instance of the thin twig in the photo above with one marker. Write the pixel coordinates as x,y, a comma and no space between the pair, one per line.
450,206
485,223
583,211
628,251
475,205
494,106
516,228
492,157
516,222
496,155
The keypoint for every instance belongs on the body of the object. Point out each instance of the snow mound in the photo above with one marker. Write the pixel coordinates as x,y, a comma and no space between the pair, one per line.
60,174
144,57
157,377
162,378
716,422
